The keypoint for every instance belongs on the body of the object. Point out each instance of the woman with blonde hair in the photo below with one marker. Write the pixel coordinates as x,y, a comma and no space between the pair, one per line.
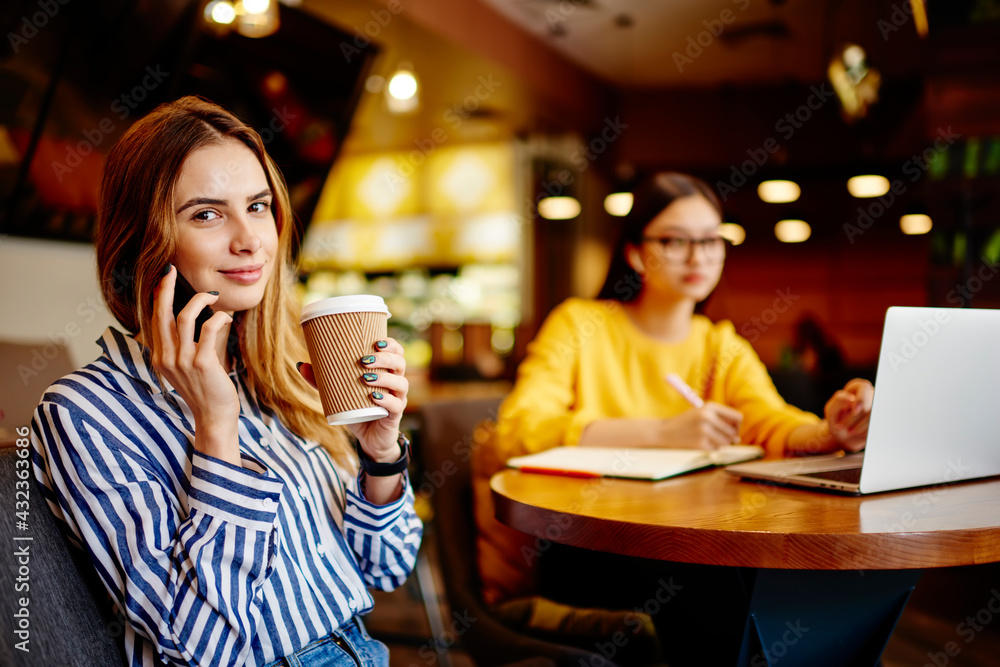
226,519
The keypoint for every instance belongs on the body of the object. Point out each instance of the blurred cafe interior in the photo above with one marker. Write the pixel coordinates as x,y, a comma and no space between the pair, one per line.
469,160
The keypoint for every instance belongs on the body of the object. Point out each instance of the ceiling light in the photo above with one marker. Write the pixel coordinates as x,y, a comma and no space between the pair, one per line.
733,232
256,18
559,208
779,192
792,231
915,223
403,85
618,203
868,186
220,11
402,91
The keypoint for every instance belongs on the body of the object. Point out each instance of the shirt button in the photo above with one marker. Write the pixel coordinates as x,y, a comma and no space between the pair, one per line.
353,605
267,504
303,494
321,550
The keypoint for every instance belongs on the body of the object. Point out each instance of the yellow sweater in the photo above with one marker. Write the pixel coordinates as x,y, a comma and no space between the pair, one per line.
590,362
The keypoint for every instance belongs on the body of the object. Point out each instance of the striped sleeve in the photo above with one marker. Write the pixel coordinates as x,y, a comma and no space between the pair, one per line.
385,538
187,571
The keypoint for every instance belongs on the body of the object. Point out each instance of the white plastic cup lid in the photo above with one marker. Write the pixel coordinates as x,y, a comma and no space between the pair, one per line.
354,303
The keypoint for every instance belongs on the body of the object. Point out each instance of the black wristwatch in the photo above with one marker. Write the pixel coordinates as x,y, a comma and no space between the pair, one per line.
375,469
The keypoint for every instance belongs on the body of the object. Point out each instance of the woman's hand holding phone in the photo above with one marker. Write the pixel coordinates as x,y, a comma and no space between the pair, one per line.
194,369
183,293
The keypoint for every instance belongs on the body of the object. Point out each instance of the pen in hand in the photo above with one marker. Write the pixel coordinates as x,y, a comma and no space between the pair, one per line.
696,401
685,390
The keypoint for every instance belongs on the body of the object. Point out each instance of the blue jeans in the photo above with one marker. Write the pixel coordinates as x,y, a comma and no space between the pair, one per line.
347,646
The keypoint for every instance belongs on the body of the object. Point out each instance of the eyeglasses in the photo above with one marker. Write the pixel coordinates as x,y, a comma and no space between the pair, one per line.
681,248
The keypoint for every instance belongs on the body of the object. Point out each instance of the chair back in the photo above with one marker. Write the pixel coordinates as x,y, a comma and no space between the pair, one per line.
446,439
54,609
446,447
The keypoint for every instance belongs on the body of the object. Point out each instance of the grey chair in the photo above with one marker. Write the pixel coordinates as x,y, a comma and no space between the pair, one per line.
69,621
445,434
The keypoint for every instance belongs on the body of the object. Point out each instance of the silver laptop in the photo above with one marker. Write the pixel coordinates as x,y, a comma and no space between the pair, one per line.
936,413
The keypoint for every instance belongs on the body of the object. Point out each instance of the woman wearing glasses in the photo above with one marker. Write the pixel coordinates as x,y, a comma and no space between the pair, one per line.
595,376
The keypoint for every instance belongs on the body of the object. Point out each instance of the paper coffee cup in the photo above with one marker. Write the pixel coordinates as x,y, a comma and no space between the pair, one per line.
339,331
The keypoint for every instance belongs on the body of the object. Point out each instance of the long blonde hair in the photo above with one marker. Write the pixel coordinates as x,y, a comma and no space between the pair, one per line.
136,237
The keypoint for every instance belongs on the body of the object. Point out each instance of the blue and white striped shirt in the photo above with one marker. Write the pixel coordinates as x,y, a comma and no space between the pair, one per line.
212,564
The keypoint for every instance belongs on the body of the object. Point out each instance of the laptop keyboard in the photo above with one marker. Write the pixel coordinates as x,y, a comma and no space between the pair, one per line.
848,476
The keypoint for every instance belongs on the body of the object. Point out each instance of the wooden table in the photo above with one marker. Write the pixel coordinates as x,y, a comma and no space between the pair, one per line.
843,565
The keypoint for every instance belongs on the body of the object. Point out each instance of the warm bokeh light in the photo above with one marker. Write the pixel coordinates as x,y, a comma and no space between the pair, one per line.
402,92
257,18
256,6
792,231
779,192
558,208
919,17
502,340
733,233
870,185
618,203
403,85
854,56
915,223
220,11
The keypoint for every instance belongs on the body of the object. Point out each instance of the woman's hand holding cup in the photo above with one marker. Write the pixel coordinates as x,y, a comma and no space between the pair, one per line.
383,371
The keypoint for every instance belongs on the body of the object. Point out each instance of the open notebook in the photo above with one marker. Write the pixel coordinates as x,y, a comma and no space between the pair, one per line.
631,463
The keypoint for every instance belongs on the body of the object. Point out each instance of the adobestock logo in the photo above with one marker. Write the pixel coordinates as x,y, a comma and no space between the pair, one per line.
590,151
915,167
696,44
30,25
901,14
967,630
786,126
381,18
455,117
771,655
963,292
757,326
910,345
122,106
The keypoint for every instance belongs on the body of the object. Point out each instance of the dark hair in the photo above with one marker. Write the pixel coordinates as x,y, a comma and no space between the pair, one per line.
653,195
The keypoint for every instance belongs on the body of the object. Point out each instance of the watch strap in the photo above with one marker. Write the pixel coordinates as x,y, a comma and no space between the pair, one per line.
376,469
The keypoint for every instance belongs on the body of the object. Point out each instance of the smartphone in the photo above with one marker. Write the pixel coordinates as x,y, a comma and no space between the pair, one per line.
182,295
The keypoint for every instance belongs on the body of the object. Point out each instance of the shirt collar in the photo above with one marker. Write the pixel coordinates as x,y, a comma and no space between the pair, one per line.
135,360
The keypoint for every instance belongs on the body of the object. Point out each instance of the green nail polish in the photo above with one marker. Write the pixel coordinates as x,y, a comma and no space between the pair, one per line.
370,377
166,269
382,344
214,293
377,395
370,359
298,364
